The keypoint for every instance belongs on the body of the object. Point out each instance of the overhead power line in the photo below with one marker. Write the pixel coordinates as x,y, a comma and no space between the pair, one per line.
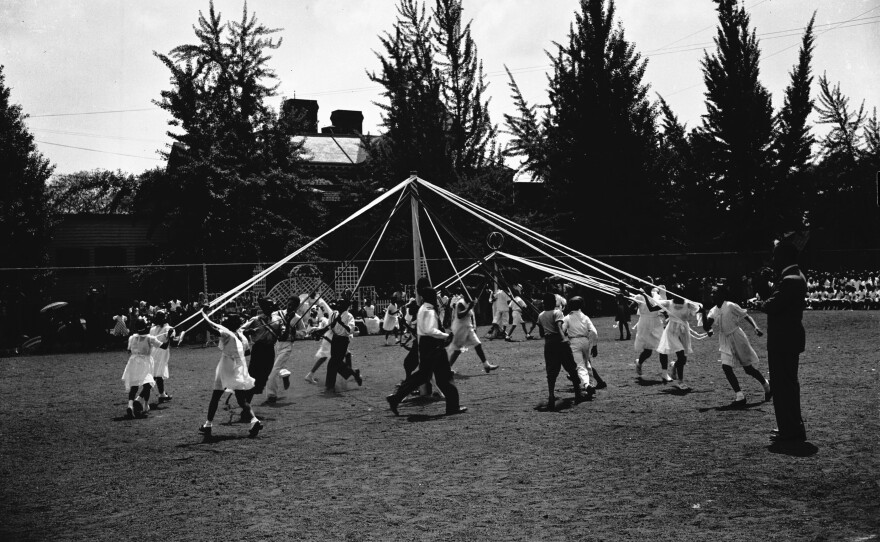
92,113
100,151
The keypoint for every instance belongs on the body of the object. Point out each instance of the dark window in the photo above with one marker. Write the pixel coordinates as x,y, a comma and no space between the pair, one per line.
110,256
145,255
72,257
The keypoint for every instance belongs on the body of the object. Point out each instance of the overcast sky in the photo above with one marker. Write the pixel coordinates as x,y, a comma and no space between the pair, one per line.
67,57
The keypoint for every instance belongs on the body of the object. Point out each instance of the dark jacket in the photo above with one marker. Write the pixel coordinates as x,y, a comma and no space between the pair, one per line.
785,311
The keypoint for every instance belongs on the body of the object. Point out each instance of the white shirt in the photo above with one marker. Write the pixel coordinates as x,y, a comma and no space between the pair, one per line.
578,324
500,301
516,304
346,319
427,322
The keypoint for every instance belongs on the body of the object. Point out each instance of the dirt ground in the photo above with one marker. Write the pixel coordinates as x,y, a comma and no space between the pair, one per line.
639,462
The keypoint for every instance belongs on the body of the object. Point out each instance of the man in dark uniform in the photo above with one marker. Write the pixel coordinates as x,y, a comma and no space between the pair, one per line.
785,341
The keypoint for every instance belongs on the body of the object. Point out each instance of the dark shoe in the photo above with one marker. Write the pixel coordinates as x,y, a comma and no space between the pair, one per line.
601,385
245,418
551,403
357,377
271,399
164,398
768,395
508,339
459,410
138,409
205,430
255,428
489,368
286,380
129,413
789,437
392,403
590,392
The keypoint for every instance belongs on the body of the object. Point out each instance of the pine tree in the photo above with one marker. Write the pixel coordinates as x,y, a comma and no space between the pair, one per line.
414,117
236,192
842,142
470,130
793,139
793,142
737,128
599,132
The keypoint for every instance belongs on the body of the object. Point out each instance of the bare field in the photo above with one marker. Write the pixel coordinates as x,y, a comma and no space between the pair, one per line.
639,462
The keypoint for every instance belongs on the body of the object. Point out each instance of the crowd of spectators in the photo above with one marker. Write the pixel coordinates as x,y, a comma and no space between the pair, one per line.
848,290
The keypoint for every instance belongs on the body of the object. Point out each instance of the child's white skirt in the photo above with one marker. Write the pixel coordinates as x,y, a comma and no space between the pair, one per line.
138,371
160,362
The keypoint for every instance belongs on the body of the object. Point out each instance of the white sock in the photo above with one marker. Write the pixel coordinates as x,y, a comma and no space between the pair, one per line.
208,424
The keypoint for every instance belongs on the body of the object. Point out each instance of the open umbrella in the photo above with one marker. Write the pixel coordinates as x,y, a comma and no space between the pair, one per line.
53,306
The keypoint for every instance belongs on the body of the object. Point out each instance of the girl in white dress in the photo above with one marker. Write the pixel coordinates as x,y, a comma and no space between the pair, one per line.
161,354
464,333
391,323
516,306
736,351
323,353
139,370
676,338
649,330
231,373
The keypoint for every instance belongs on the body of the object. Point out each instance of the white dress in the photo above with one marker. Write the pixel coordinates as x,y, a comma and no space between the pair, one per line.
139,369
734,345
464,334
500,307
160,355
677,335
391,314
232,371
649,328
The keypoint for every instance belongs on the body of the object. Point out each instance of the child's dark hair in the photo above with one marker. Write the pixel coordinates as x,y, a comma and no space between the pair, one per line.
549,301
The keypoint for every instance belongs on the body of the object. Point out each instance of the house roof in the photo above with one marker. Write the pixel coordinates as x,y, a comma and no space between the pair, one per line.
332,149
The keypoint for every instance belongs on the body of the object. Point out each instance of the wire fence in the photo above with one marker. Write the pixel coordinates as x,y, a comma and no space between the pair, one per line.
97,293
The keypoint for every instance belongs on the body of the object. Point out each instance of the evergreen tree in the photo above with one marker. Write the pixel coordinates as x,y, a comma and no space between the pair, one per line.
793,139
599,132
235,192
25,215
842,203
414,116
24,211
842,142
737,128
470,130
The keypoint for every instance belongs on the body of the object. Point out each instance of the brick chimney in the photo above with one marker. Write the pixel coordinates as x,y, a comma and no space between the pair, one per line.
346,122
300,116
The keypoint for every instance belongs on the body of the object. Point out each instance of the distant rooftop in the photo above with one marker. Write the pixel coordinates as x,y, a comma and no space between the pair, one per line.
335,150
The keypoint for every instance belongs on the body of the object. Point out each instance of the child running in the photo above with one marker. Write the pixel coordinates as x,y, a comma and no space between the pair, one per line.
649,330
464,333
736,351
139,370
391,324
676,338
583,340
161,354
231,373
557,352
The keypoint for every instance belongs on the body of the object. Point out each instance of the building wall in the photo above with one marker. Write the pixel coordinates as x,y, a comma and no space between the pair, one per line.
100,251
